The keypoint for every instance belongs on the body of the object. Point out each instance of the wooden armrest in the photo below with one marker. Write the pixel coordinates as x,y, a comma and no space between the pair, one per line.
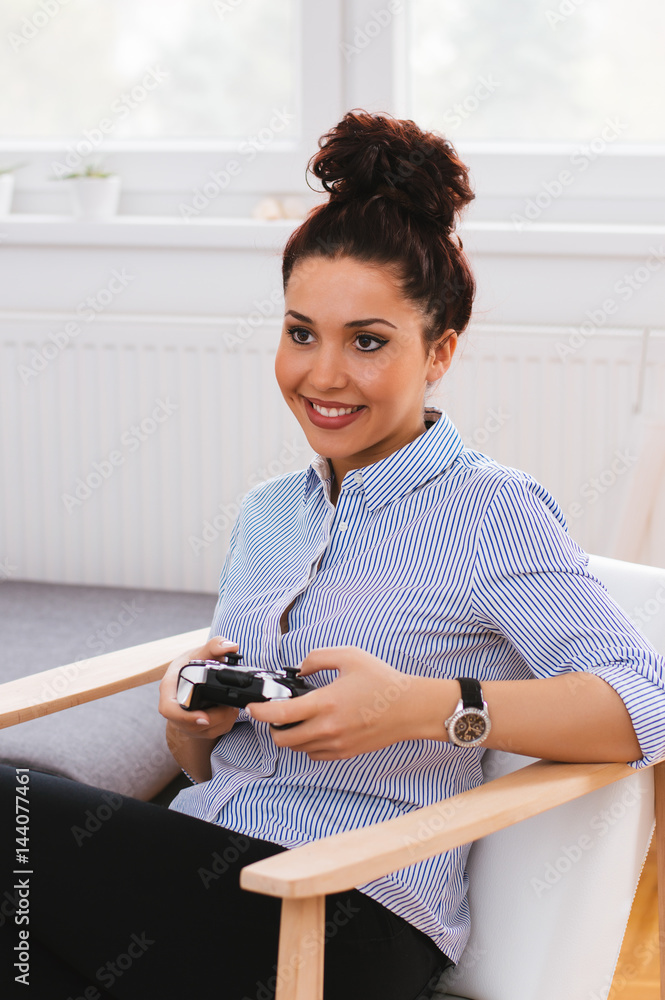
303,876
345,860
85,680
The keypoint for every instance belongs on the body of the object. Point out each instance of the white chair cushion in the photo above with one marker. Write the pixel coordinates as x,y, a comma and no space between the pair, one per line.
550,897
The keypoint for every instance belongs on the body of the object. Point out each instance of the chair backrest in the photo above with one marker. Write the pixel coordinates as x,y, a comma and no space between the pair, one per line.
550,897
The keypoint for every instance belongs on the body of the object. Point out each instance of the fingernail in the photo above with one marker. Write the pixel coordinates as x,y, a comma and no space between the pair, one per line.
202,722
225,642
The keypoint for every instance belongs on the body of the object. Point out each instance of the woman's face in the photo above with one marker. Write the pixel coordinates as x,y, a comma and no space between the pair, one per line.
352,363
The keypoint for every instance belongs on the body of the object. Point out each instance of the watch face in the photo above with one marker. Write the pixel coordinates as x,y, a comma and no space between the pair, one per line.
470,727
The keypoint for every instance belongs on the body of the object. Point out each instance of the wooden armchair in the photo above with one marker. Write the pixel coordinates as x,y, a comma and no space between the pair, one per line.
302,877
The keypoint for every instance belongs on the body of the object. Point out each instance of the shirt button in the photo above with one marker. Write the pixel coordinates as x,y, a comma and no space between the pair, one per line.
343,526
358,477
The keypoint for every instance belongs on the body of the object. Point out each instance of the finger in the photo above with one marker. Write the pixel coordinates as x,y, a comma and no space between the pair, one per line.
212,650
307,737
215,648
283,710
327,658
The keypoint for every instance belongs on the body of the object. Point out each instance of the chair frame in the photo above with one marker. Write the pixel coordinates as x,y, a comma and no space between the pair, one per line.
303,876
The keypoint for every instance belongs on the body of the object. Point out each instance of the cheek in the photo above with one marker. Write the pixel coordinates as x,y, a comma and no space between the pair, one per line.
388,376
285,372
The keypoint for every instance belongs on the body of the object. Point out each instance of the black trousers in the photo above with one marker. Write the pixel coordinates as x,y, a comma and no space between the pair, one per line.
122,898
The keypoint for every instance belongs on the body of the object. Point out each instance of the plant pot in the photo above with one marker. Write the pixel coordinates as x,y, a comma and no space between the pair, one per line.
6,192
95,198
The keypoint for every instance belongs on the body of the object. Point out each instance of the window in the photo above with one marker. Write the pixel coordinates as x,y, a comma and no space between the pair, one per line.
534,70
167,94
149,69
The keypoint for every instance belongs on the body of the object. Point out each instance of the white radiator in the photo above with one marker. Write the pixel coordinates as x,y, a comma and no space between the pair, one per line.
126,446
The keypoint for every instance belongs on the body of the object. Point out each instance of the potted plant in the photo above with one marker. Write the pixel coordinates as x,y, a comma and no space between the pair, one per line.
95,192
7,187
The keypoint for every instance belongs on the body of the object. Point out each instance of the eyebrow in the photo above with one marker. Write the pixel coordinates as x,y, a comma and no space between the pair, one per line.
352,324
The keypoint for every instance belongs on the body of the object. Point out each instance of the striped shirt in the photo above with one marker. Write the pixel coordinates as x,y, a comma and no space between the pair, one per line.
443,563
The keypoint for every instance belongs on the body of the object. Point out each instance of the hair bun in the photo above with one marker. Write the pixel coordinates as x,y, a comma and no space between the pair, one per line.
370,156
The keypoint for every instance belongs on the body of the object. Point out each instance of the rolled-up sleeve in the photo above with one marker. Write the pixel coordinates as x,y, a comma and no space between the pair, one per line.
532,585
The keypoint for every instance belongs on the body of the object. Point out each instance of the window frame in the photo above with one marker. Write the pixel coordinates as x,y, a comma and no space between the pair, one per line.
179,167
624,185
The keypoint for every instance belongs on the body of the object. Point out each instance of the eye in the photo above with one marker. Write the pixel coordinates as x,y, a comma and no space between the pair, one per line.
299,335
368,343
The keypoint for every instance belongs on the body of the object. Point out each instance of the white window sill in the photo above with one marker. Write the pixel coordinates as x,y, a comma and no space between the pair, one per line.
144,231
492,238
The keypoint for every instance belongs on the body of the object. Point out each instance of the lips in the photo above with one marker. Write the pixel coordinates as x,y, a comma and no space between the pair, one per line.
332,414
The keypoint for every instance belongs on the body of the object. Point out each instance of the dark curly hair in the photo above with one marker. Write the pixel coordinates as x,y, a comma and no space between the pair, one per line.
396,193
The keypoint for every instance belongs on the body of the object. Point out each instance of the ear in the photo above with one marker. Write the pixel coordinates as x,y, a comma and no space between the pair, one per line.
441,356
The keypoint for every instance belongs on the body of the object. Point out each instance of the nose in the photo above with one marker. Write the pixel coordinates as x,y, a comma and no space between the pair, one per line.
327,370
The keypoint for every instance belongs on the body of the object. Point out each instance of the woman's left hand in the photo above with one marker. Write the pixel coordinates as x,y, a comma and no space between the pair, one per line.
367,707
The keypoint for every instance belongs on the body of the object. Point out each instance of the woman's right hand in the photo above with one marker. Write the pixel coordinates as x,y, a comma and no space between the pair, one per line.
208,723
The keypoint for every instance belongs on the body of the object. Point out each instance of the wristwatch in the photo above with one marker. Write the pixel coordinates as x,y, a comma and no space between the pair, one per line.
469,725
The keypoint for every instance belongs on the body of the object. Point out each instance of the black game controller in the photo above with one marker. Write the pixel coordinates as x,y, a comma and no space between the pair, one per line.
205,683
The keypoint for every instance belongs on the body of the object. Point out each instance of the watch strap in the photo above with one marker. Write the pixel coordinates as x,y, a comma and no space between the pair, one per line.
472,694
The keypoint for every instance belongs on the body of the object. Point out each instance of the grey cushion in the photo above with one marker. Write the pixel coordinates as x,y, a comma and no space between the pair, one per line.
116,743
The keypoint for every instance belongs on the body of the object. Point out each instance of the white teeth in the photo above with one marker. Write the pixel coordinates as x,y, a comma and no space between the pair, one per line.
333,412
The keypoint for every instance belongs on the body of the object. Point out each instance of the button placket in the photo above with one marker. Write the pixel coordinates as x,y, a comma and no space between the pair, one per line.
305,582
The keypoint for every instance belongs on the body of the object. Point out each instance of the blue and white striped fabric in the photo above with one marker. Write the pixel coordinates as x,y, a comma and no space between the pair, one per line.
443,563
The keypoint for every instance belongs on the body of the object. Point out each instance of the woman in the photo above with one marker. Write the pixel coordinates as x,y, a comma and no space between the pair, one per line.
400,571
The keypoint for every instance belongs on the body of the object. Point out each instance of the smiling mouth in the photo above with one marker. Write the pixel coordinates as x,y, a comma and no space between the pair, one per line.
333,411
333,415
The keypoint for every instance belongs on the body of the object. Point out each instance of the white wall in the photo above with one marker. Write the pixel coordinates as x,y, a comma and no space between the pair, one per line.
210,292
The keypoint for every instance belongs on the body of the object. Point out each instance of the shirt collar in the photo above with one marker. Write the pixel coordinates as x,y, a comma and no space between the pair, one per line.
415,464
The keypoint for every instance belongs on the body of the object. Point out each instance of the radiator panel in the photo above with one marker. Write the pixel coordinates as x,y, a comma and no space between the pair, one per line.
162,425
